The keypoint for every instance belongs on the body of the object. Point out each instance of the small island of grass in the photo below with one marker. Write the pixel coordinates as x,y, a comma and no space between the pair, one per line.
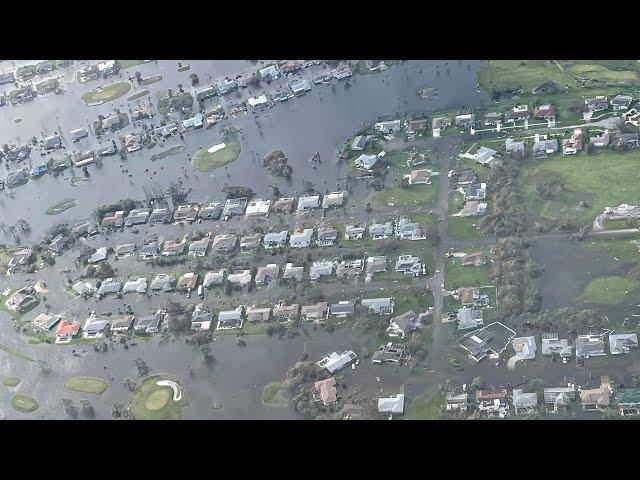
207,160
24,403
10,381
273,395
86,385
151,401
107,93
60,207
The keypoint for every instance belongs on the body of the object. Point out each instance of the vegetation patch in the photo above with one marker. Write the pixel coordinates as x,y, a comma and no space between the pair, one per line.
208,161
216,405
608,290
16,353
140,94
273,395
10,381
107,93
166,153
86,384
24,403
457,275
429,405
131,63
150,80
60,207
416,300
151,401
556,187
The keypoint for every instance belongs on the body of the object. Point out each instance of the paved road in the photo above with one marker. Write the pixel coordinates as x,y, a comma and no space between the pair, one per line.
437,280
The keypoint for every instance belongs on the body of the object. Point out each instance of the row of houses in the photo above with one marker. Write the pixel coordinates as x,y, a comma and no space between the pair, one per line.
494,404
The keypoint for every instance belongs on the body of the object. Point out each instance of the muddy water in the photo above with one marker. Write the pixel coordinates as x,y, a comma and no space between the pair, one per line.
319,121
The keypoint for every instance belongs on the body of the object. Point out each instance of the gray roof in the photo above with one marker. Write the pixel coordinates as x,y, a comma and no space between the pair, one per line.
273,237
148,321
163,281
109,286
622,342
161,215
377,303
341,308
469,318
483,154
150,248
524,400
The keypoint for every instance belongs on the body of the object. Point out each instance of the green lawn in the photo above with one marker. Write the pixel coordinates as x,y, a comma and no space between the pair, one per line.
608,290
148,404
135,96
429,405
124,64
607,179
273,395
208,162
10,381
622,250
107,93
86,384
410,196
150,80
416,300
23,403
528,74
461,228
458,276
248,328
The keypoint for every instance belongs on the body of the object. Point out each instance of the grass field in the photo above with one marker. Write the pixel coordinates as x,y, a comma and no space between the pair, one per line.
135,96
10,381
124,64
602,180
86,384
608,290
623,250
528,74
60,207
208,162
107,93
147,403
416,300
429,405
455,275
575,81
273,395
410,196
24,403
150,80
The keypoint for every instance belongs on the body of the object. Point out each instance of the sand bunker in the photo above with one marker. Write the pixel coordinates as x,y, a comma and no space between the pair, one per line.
215,148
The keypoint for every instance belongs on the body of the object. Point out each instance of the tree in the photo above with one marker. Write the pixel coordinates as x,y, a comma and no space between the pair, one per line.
87,408
478,383
143,368
44,367
70,409
206,352
129,384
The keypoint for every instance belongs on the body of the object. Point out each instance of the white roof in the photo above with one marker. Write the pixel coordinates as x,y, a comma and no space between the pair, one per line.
254,101
391,404
258,207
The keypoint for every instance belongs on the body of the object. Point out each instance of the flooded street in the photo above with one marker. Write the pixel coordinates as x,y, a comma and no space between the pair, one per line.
320,121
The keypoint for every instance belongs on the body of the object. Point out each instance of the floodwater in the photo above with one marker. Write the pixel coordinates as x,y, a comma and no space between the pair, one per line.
235,378
319,121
